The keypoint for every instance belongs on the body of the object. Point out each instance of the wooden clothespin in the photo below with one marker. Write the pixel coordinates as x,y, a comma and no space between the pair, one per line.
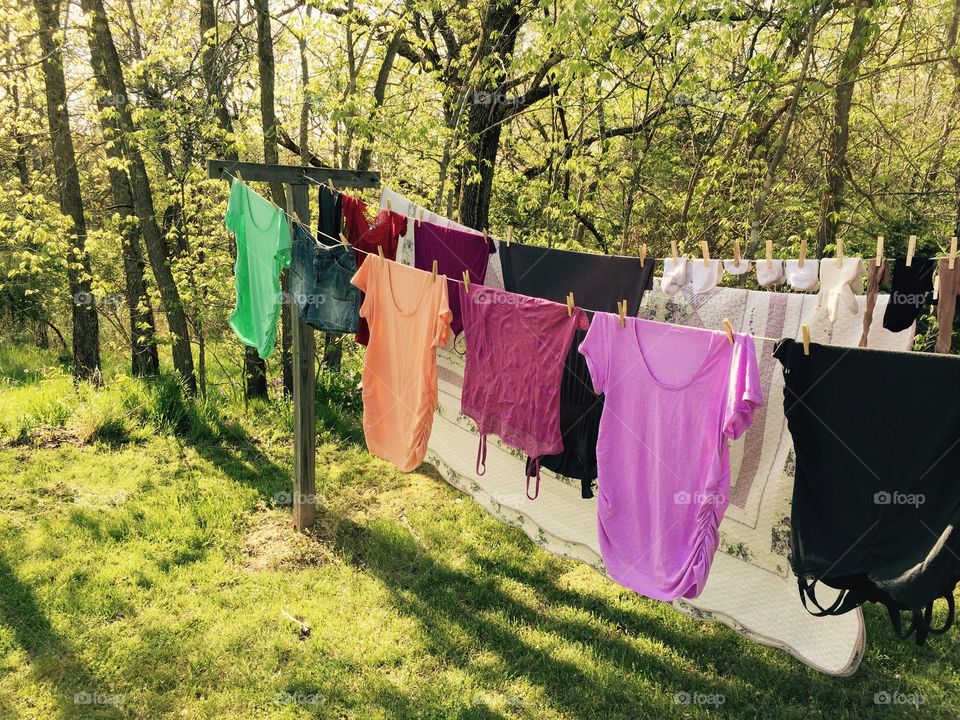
434,270
622,312
803,252
570,304
238,176
643,254
343,239
769,254
806,339
466,281
839,252
879,250
728,328
380,252
951,261
736,253
673,251
297,217
330,185
911,249
509,234
486,237
420,217
389,205
705,249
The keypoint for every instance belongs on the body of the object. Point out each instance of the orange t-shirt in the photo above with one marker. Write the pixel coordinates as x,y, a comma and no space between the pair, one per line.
409,317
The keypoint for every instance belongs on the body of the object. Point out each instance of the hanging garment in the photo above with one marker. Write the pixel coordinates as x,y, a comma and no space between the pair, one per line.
804,279
948,282
732,268
875,501
409,318
511,386
674,397
840,283
320,284
263,250
876,275
705,276
769,274
329,215
598,282
911,291
366,238
676,274
455,251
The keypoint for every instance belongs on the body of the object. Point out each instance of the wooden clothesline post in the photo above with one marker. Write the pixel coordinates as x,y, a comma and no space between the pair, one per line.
298,180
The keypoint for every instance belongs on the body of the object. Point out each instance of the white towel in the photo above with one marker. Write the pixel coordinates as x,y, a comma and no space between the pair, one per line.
733,269
772,275
675,275
840,283
705,276
803,278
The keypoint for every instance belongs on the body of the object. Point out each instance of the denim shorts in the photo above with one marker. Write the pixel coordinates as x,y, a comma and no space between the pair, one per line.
320,283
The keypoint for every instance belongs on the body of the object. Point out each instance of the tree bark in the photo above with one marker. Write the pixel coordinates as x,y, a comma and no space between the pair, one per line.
831,200
86,327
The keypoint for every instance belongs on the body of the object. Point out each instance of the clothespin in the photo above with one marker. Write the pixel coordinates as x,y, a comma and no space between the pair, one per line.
643,254
486,240
769,254
570,304
806,339
728,328
879,250
466,281
673,251
297,217
238,176
420,217
705,249
953,252
330,185
911,249
736,253
380,251
803,252
622,312
389,205
343,239
509,234
434,269
839,252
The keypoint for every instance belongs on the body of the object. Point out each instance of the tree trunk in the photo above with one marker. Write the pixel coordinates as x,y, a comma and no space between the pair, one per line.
86,329
271,156
831,201
106,63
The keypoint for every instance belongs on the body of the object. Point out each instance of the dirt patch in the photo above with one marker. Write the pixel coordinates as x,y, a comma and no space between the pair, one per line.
273,544
49,437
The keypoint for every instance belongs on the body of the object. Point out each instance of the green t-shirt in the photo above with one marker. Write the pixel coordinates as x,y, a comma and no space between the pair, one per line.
263,250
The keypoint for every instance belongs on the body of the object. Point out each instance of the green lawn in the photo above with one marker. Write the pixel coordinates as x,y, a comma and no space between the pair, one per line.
148,569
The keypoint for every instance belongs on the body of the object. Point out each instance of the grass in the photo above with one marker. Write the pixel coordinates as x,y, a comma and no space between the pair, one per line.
147,566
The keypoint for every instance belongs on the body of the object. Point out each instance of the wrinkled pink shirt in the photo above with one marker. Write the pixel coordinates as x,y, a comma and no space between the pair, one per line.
675,397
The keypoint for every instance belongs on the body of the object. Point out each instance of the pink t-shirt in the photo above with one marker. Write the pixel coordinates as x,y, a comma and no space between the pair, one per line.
674,397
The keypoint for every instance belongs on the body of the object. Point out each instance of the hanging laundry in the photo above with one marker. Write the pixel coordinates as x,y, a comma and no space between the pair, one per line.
674,397
511,386
911,291
367,238
875,501
329,215
804,279
731,267
455,251
769,274
409,317
598,282
320,284
840,282
949,287
876,275
263,250
705,276
676,274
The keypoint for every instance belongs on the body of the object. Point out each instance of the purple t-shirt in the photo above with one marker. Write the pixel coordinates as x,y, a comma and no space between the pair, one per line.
455,251
675,397
516,346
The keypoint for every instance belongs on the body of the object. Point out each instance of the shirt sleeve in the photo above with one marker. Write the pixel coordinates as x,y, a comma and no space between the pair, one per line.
444,316
744,394
234,207
284,244
362,280
595,350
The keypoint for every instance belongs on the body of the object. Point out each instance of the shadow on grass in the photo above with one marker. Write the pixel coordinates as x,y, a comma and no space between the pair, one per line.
51,658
